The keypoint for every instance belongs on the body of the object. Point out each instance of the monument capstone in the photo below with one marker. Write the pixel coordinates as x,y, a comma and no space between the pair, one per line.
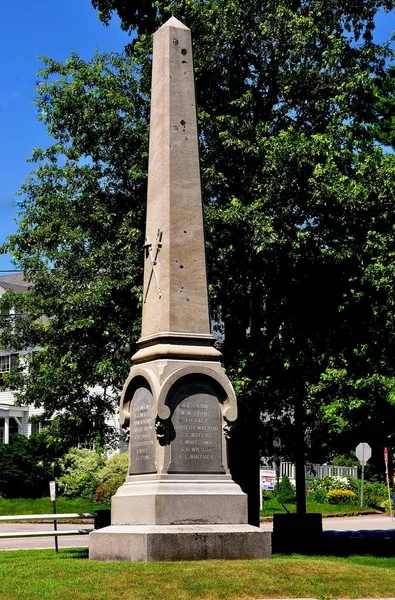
179,501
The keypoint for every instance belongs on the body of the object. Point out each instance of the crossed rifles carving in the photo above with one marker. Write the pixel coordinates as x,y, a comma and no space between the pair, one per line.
153,253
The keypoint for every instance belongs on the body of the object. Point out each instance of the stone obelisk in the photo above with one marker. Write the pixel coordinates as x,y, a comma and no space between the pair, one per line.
179,501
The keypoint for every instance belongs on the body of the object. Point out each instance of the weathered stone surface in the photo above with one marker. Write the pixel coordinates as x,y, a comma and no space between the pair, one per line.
178,500
142,433
197,421
175,283
182,542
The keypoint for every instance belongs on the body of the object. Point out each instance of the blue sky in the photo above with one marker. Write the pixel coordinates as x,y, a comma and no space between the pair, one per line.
53,28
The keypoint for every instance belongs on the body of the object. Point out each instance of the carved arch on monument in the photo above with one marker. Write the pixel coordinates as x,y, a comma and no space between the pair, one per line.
137,377
137,416
196,408
229,410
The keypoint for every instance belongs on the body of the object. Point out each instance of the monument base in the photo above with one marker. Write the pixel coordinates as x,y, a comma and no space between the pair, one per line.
152,543
179,500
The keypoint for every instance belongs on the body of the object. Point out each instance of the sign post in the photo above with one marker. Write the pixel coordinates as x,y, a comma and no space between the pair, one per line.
388,481
363,452
277,446
52,493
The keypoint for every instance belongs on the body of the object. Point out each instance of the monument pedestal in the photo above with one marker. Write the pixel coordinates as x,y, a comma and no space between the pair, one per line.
184,517
178,500
150,543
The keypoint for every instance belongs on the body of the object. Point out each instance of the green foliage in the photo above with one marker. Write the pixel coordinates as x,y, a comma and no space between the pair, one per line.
27,465
375,493
342,460
285,493
79,240
341,497
111,477
79,468
318,489
266,495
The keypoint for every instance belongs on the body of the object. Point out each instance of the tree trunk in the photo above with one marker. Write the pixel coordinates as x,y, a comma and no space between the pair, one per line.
300,457
244,457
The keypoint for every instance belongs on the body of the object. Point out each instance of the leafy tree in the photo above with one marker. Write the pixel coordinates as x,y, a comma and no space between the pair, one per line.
79,240
285,493
299,215
28,465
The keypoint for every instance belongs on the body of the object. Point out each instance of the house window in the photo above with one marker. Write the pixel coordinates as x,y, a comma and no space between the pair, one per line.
5,364
35,427
12,428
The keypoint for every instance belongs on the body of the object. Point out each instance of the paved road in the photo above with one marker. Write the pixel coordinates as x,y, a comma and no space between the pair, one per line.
69,541
381,525
364,523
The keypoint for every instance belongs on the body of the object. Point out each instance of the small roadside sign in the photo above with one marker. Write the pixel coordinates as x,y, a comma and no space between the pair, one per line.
52,493
363,452
52,490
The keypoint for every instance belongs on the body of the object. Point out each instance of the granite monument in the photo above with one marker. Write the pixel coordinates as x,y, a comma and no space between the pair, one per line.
179,501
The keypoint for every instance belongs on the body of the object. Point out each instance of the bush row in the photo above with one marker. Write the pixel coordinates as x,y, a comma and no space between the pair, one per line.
87,474
333,490
28,464
321,490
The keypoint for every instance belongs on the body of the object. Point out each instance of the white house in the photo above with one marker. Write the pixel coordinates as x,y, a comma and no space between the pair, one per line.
16,419
13,419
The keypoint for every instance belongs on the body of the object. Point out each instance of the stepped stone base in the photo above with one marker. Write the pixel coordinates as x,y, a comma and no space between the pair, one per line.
151,543
179,500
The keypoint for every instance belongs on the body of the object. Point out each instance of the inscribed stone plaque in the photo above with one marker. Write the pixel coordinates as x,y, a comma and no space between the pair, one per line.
197,422
142,433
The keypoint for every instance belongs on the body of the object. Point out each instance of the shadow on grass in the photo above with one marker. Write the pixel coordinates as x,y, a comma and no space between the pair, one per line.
340,543
74,553
364,542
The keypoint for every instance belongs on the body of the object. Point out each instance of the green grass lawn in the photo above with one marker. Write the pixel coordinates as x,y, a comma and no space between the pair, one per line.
271,507
42,575
29,506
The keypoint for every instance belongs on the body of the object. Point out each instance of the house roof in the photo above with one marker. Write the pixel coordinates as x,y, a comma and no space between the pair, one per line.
16,282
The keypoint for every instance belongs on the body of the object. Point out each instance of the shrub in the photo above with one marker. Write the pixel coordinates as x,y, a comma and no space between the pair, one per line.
317,491
375,493
319,488
337,483
21,475
386,503
79,469
27,465
266,495
285,493
341,497
111,477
